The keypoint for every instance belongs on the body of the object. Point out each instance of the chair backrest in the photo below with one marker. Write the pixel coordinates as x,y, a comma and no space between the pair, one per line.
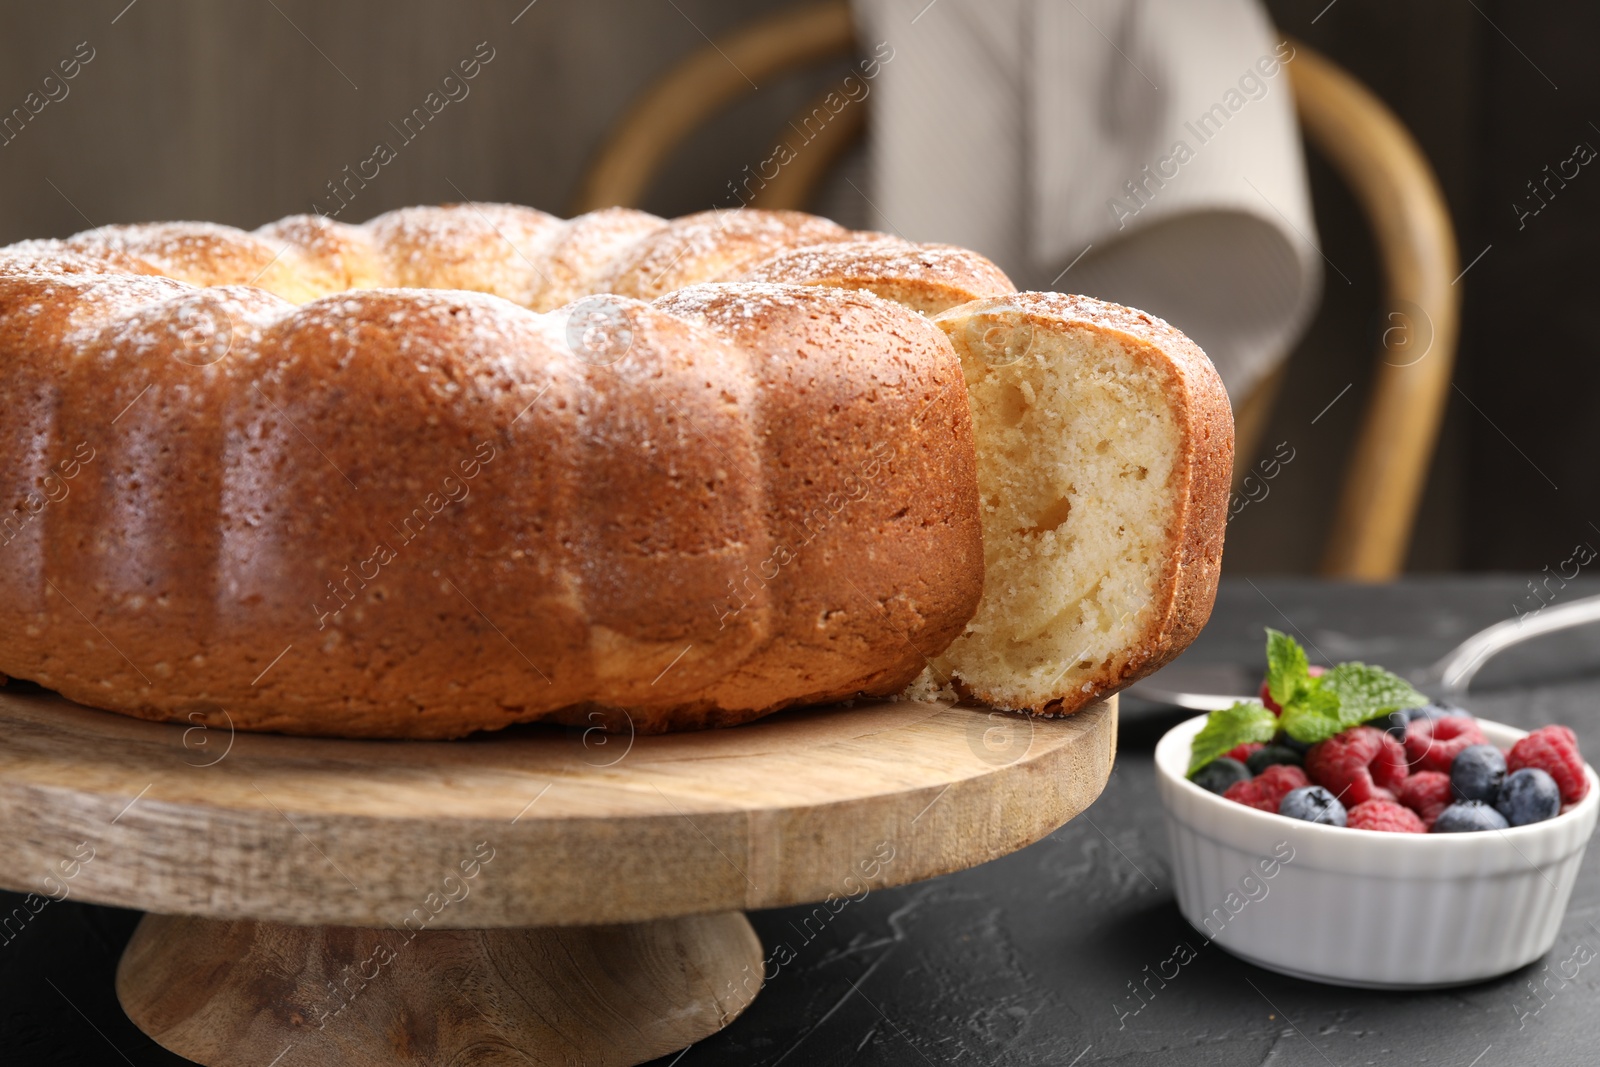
1363,140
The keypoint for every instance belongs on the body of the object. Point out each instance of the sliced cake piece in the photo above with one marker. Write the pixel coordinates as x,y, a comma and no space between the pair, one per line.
1105,446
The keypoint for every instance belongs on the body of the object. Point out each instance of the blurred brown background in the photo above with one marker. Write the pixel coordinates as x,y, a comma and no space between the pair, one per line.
243,112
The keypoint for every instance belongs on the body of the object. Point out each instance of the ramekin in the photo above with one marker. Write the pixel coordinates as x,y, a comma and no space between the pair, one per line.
1363,908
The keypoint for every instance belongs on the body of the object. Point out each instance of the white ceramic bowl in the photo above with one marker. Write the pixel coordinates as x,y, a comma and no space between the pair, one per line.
1361,908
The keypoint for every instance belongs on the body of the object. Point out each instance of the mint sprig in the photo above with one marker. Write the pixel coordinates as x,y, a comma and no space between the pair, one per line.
1228,728
1288,670
1310,712
1314,708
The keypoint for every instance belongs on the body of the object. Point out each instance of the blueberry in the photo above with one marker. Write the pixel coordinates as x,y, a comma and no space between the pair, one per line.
1220,773
1528,795
1265,757
1477,772
1397,721
1465,816
1313,804
1285,741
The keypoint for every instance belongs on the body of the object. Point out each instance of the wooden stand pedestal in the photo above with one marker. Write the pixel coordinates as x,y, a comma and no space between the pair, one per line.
245,994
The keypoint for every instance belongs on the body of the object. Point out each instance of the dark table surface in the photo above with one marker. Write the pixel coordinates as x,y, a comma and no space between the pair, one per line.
1031,959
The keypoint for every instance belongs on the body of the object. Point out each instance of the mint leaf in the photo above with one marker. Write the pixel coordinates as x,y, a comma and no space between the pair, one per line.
1287,668
1228,728
1313,714
1366,693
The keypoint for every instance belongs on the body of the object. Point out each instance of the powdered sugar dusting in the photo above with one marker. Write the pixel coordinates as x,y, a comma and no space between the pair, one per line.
714,246
492,248
927,277
459,270
880,258
578,261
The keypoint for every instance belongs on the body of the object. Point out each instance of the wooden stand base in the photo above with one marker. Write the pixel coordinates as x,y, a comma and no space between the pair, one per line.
567,951
248,994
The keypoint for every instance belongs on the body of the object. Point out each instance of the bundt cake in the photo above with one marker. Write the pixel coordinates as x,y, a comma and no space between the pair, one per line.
448,470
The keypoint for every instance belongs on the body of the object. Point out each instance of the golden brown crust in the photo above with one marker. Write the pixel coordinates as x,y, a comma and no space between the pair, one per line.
578,261
713,246
863,409
53,257
347,252
519,253
928,278
486,248
1187,587
203,253
403,513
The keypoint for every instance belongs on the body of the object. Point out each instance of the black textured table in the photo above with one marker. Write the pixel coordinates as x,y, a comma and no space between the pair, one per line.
1033,959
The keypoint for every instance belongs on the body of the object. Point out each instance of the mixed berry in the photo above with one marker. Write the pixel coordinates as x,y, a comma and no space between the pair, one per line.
1356,746
1364,779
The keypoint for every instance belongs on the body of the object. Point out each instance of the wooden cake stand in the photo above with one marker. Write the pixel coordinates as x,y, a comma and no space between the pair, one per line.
538,896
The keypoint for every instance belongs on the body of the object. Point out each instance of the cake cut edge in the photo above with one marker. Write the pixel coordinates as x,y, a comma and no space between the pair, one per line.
1103,549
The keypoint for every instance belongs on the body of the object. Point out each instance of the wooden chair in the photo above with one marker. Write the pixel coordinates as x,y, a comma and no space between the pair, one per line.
1345,122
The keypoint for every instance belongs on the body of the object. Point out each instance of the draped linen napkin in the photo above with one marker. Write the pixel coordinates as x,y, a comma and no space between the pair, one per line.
1141,151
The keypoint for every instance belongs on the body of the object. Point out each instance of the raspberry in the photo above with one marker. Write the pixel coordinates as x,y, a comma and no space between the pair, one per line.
1427,793
1267,790
1244,751
1384,815
1358,765
1554,750
1434,744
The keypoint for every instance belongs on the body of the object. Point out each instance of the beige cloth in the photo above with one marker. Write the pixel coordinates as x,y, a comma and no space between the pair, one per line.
1157,134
